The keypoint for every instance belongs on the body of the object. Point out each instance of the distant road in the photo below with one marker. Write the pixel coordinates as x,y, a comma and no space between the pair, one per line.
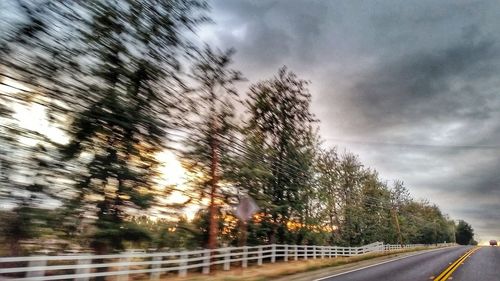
459,263
484,264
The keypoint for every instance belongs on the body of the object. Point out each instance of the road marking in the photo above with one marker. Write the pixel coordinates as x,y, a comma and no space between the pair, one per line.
452,266
446,274
377,264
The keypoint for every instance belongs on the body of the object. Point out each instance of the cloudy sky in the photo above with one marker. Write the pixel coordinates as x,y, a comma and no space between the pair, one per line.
413,87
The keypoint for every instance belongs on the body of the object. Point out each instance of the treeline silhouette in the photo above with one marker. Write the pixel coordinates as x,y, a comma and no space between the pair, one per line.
111,84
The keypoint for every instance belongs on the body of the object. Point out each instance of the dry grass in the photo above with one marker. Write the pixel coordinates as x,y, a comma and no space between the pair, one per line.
271,271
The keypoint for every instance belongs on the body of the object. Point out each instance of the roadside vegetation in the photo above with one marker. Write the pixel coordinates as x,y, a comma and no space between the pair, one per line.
285,270
114,84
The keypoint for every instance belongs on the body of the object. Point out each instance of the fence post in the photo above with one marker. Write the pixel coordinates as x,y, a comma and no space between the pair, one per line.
206,261
322,251
38,273
273,253
83,270
259,259
183,262
155,275
244,260
285,256
123,277
227,258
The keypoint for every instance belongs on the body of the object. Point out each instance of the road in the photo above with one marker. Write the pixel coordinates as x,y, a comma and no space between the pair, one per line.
459,263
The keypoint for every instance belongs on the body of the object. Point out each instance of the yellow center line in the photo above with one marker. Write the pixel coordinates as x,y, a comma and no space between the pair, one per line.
450,269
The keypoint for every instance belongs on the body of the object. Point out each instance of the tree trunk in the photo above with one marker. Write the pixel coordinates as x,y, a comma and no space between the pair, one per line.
14,247
396,221
100,248
212,220
243,233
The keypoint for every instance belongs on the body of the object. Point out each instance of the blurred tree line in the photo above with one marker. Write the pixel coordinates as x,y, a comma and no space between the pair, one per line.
122,81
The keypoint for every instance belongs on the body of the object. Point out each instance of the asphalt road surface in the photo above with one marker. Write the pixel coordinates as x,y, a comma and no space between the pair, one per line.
484,264
456,263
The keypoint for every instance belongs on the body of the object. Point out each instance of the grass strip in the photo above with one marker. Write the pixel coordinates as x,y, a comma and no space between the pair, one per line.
270,271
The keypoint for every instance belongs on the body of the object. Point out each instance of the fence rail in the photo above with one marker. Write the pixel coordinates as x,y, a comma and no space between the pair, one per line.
83,267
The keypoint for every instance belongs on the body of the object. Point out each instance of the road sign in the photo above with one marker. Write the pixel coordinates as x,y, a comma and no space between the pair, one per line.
246,208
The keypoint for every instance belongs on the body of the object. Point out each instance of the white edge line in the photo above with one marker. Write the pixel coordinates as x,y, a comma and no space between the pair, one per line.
377,264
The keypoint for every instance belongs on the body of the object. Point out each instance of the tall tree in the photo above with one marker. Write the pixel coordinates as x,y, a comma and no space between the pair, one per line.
30,176
400,197
210,146
280,126
375,216
350,177
327,169
116,65
464,233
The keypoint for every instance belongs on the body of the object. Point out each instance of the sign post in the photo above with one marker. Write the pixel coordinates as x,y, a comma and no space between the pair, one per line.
244,211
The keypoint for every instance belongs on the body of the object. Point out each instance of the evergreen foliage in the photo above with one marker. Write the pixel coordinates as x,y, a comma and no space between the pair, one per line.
119,78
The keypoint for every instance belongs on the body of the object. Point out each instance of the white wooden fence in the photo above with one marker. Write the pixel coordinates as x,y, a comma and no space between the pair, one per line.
83,267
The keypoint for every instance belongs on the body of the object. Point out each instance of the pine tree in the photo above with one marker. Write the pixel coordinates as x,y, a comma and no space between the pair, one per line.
210,145
30,177
280,127
116,67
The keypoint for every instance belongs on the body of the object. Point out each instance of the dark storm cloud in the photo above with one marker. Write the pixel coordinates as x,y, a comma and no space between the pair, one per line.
435,85
484,215
385,74
267,33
